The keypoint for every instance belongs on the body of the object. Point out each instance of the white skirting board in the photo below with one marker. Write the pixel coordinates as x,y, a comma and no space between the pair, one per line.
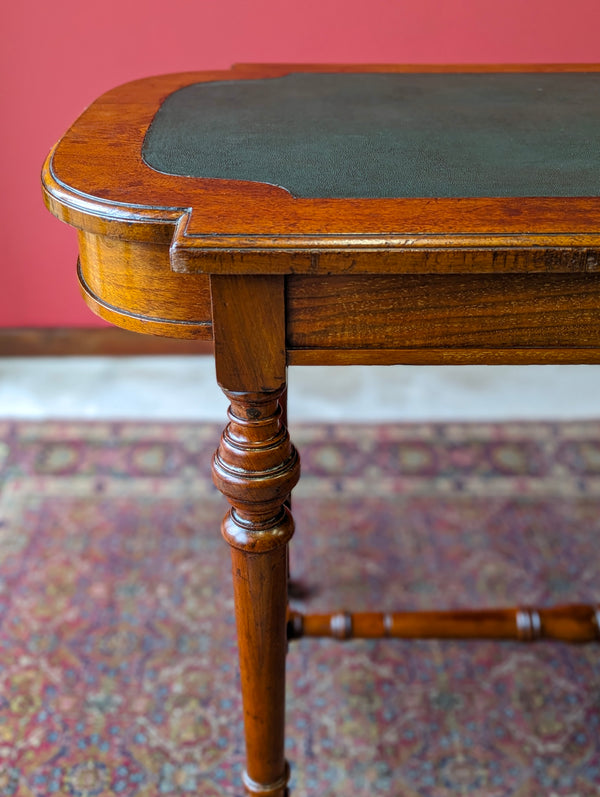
183,388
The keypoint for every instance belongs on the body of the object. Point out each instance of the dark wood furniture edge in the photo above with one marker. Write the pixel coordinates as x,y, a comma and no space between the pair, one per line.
418,254
92,341
253,216
439,356
92,214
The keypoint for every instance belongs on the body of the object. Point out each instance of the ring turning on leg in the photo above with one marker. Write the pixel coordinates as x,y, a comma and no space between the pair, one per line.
256,467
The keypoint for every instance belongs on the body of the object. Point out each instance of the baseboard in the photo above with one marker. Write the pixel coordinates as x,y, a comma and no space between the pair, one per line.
91,341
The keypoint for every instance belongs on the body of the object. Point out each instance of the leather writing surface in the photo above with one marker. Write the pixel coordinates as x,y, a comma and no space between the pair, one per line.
376,135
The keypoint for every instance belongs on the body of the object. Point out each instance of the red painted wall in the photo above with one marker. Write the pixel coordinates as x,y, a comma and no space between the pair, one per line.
56,57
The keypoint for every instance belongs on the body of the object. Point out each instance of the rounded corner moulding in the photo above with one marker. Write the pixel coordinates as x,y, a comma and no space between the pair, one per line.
206,220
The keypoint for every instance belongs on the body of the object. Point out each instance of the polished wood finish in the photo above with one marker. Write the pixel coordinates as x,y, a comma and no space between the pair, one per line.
228,226
276,280
161,303
256,468
575,623
425,313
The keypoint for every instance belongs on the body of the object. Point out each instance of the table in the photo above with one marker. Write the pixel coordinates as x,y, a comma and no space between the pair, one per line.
338,215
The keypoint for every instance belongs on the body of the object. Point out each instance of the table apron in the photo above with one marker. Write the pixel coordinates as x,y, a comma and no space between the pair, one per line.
443,318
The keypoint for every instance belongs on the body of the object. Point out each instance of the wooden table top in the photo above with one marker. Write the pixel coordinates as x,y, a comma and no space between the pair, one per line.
327,169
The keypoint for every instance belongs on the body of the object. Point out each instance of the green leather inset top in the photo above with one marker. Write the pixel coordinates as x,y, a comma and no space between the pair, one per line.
388,135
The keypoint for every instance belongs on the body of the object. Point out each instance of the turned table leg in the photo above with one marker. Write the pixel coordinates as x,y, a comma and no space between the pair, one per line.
256,467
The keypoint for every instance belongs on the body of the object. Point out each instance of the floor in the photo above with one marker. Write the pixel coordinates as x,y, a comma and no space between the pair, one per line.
183,388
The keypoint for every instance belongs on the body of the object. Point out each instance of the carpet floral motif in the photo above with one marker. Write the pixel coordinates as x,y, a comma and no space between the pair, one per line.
118,671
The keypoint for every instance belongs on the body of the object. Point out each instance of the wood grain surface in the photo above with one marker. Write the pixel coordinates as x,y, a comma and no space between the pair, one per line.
428,312
130,283
96,180
256,467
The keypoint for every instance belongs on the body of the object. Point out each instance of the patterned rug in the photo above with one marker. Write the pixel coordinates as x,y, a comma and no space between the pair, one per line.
118,667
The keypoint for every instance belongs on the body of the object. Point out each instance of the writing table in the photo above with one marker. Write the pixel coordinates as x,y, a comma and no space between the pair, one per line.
338,215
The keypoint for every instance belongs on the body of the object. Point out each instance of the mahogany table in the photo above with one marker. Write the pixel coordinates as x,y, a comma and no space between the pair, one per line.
338,215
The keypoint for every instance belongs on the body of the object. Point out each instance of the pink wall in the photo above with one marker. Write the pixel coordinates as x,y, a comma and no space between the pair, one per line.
58,56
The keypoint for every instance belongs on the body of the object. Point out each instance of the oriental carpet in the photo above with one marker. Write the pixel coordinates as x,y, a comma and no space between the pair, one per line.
118,670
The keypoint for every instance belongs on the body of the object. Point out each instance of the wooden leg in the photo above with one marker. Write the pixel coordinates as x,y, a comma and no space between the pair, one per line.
295,588
256,467
260,583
